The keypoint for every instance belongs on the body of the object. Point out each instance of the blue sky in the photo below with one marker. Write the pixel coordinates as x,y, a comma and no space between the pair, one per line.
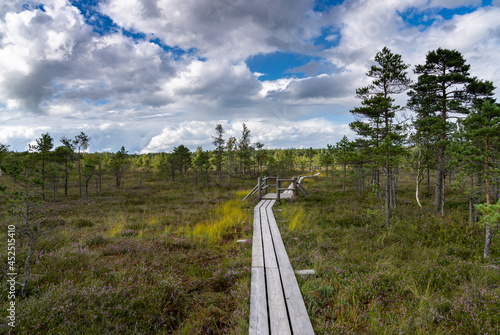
153,74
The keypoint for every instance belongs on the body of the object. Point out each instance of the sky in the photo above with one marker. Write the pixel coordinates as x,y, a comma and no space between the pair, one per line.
153,74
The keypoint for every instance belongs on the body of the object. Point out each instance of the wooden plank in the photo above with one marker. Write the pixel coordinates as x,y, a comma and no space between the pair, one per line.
267,242
299,319
257,249
278,316
301,324
269,196
259,322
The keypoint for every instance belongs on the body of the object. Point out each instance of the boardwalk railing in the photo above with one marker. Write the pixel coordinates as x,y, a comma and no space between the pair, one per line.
276,304
290,192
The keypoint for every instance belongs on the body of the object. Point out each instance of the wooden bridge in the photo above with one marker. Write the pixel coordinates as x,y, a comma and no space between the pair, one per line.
290,192
276,304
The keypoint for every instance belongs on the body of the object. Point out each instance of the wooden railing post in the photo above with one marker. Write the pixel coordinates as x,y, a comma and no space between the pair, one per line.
278,186
260,188
294,182
265,184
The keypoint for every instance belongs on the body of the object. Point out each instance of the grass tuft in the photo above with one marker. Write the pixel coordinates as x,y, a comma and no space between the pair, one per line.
229,215
82,223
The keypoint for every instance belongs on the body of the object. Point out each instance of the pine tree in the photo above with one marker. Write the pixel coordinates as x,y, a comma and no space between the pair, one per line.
244,148
218,141
381,131
230,148
43,146
81,142
343,155
117,165
66,151
181,157
444,87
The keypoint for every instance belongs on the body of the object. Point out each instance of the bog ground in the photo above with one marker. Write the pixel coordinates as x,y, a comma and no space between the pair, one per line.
162,257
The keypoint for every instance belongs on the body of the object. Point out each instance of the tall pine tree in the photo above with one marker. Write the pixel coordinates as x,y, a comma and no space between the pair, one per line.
378,111
443,90
218,141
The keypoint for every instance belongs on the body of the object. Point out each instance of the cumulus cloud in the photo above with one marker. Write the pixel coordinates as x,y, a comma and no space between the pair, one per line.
229,29
152,93
51,60
272,132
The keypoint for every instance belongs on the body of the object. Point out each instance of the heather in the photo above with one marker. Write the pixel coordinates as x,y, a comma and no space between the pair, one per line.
161,257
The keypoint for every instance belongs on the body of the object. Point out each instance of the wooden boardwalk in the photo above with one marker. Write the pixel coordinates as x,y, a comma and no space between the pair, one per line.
276,304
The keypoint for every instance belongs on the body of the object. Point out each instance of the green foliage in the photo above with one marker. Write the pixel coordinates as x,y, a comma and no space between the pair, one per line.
117,165
181,158
380,130
201,161
444,87
490,215
219,142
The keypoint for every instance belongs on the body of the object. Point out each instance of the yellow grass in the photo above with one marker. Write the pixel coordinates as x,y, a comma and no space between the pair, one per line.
296,218
117,229
153,221
227,217
242,193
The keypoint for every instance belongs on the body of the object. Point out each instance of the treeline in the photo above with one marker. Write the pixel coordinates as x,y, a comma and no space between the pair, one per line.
50,167
450,127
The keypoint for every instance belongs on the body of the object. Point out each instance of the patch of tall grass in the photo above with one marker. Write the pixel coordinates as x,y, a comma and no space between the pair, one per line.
227,216
242,193
117,228
296,217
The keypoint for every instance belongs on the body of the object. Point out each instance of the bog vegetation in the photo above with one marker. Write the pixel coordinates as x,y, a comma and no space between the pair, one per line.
399,226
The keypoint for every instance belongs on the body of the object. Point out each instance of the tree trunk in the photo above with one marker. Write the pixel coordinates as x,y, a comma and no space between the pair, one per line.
79,174
487,242
428,182
418,177
220,169
471,210
471,205
27,262
439,188
387,194
394,188
442,194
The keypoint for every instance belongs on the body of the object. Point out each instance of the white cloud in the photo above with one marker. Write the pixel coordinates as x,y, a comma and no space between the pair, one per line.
228,29
59,75
272,132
